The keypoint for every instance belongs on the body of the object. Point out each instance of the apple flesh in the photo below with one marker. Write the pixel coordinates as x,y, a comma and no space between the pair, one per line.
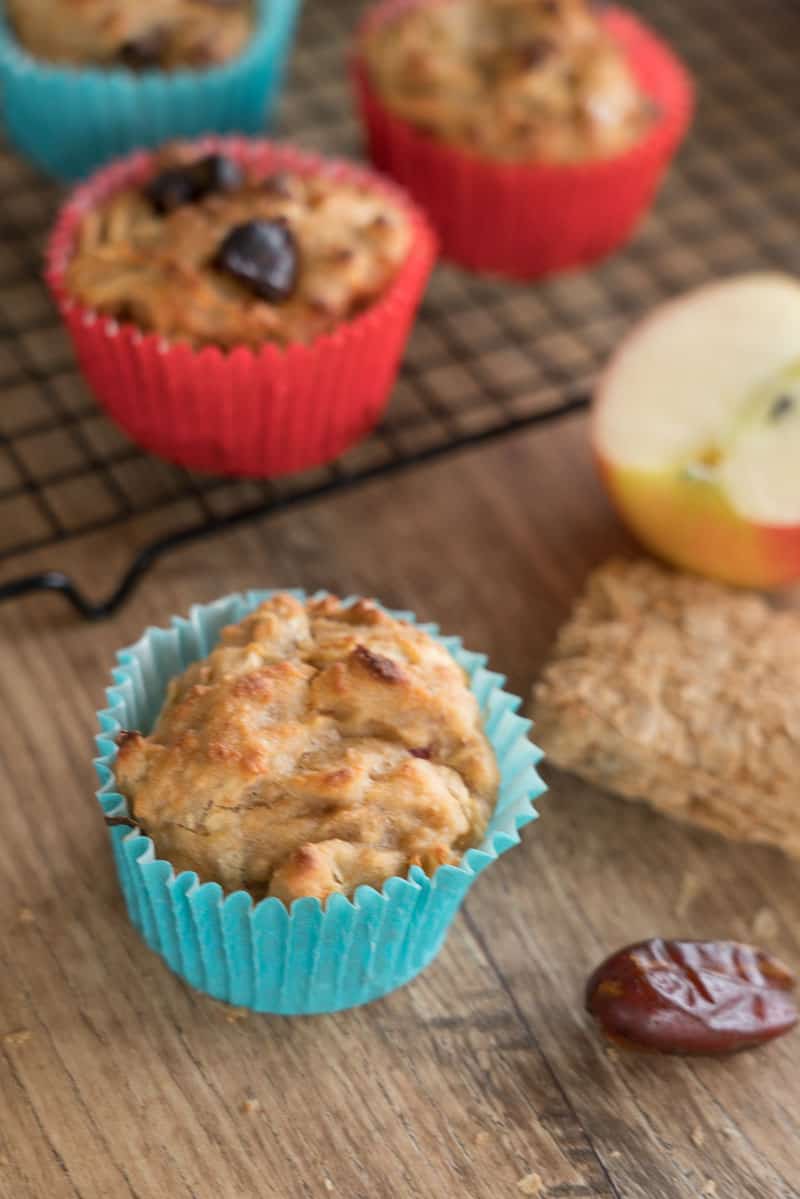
696,429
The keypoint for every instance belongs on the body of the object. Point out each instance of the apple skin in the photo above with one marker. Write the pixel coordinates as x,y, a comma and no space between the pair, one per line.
690,524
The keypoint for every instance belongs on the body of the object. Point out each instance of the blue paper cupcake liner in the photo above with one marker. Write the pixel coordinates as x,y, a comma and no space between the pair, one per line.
71,120
312,958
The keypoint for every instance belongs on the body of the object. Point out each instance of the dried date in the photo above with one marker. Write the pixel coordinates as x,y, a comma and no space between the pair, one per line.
692,997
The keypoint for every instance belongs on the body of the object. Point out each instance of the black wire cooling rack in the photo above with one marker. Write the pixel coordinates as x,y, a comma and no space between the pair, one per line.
485,359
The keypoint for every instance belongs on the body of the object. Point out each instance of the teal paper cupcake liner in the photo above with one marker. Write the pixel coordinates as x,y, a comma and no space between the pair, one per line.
70,120
313,958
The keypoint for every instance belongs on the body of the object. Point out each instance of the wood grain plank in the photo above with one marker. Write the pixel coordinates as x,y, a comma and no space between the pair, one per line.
482,1073
601,879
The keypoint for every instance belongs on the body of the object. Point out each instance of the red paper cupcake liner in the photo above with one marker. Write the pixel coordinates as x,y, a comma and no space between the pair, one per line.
524,221
244,413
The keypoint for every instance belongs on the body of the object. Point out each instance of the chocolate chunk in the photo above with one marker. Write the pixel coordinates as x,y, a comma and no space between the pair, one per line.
263,255
181,185
218,173
171,189
424,753
146,51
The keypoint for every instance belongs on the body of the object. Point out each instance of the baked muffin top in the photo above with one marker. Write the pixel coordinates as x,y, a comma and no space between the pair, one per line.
212,253
512,80
138,34
319,746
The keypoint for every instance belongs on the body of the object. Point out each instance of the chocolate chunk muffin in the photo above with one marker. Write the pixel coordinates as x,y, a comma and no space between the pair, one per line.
511,80
211,252
319,747
139,34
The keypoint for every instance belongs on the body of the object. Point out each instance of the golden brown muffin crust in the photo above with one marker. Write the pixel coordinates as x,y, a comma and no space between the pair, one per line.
317,748
133,33
160,270
513,80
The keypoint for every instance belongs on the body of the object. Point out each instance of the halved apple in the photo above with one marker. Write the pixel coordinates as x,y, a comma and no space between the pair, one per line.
696,428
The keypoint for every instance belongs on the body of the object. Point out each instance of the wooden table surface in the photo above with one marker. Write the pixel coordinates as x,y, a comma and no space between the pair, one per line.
484,1077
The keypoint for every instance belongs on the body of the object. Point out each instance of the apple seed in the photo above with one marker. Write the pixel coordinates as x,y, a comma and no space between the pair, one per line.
781,407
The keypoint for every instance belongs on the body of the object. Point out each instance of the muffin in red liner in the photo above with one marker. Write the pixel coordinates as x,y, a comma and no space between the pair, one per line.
241,411
525,220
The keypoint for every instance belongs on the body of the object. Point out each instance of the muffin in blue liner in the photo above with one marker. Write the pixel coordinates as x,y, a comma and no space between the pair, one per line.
313,958
70,120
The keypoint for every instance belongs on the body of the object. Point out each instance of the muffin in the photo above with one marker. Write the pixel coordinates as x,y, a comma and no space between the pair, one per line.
511,80
213,253
240,307
150,34
534,131
86,81
319,748
315,786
